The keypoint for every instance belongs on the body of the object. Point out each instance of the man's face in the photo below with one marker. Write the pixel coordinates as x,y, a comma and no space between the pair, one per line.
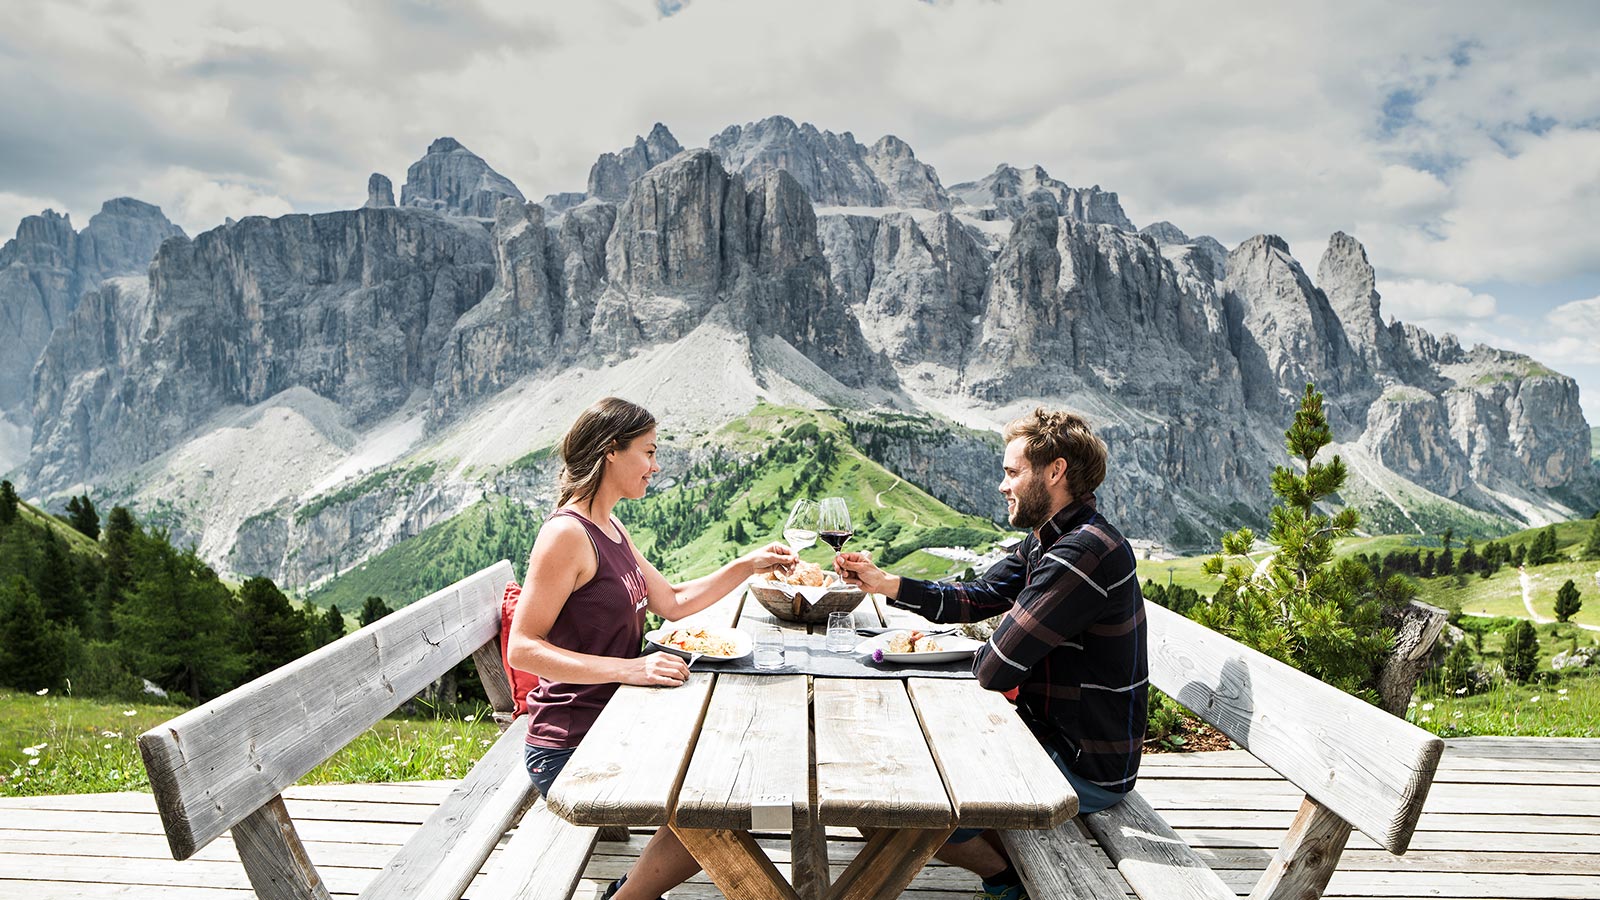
1027,497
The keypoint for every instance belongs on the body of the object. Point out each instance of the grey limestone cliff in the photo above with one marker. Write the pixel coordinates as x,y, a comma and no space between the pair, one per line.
612,173
47,267
450,178
832,169
380,192
1007,192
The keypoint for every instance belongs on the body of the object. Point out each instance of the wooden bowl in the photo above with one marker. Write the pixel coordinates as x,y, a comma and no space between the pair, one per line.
795,608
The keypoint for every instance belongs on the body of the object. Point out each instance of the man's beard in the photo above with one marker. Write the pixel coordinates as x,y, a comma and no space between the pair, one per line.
1033,505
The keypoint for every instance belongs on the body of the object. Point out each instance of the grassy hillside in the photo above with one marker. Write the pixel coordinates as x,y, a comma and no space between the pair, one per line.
747,478
76,540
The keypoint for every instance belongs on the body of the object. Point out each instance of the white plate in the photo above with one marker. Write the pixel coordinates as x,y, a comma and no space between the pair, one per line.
952,647
742,643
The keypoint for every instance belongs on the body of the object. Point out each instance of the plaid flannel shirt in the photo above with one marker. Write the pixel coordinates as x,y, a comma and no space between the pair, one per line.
1071,639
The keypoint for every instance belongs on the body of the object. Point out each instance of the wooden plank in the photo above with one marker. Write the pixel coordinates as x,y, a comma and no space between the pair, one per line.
1060,864
888,863
738,866
627,768
1310,852
874,768
491,668
1371,768
753,744
447,852
273,856
997,774
543,860
215,764
1152,858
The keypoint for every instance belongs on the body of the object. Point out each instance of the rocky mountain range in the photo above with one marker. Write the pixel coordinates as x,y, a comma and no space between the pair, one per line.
297,393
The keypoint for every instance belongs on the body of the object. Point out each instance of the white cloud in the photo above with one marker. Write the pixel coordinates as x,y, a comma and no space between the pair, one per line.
199,203
1574,333
14,207
1416,300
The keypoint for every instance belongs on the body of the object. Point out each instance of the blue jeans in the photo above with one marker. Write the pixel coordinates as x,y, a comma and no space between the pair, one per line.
1091,797
544,764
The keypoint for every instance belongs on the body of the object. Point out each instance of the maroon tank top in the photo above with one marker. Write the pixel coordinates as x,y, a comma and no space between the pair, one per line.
605,617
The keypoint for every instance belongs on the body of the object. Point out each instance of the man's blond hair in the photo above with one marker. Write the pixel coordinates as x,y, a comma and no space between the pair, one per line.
1050,435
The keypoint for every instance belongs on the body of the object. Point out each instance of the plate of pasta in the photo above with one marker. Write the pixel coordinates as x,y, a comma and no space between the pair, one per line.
704,642
911,646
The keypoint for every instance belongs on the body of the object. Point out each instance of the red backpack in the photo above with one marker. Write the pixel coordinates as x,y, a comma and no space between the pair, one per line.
521,682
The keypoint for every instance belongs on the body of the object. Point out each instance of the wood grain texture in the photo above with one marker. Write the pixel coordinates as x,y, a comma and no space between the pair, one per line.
736,863
627,768
447,852
1152,858
888,863
217,763
1310,852
543,860
754,742
1060,864
874,768
997,774
273,856
492,673
1371,768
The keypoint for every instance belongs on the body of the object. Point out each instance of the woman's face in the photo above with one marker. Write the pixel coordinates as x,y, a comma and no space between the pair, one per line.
630,469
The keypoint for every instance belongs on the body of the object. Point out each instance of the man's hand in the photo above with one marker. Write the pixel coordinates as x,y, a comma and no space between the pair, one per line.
857,569
774,557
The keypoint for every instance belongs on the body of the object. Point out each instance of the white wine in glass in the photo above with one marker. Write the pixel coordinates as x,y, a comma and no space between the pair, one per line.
800,531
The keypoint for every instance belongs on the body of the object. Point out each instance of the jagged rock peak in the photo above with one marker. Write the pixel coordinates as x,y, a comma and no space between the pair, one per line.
380,192
452,179
612,173
1007,191
1165,233
833,169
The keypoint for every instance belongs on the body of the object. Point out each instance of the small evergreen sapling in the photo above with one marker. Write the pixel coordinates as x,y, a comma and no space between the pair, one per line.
1568,601
1521,655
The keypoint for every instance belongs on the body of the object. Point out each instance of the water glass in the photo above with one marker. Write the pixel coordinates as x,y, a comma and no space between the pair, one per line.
768,647
841,632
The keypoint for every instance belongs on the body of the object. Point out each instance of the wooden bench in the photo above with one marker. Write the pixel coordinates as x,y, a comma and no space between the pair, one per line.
222,766
1360,768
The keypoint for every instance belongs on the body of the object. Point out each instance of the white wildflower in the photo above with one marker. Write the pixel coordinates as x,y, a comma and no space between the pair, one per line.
1426,719
1411,705
470,717
1534,699
1461,690
1457,715
42,691
108,746
34,761
116,774
30,751
130,712
1562,692
1427,707
111,734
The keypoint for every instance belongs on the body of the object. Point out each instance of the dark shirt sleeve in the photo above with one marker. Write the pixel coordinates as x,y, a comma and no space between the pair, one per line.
966,601
1057,604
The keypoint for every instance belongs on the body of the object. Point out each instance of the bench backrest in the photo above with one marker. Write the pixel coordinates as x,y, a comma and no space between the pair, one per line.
216,764
1370,768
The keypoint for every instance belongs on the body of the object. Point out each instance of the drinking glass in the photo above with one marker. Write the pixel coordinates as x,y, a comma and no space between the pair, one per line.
833,522
801,530
841,632
768,647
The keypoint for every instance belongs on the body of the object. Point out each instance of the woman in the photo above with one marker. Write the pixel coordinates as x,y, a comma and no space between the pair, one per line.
580,623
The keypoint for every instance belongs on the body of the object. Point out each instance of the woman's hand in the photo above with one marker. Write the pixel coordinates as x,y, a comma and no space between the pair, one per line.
857,569
657,670
773,557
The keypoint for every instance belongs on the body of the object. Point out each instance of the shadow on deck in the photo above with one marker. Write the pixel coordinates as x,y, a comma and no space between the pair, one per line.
1507,818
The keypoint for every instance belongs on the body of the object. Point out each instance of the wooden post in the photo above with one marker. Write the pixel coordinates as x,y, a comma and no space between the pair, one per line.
1310,852
274,857
736,863
888,862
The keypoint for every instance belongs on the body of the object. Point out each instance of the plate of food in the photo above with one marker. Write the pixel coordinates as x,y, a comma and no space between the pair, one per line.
703,642
916,647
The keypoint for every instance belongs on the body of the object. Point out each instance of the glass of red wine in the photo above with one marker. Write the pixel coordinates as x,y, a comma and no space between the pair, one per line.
833,522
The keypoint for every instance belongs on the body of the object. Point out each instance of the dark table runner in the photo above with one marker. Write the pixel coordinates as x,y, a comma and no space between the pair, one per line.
805,654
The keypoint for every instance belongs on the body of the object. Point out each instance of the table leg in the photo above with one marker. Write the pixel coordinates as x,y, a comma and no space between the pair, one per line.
736,863
886,865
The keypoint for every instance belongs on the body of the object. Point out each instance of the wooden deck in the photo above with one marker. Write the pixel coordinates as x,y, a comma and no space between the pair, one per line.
1507,818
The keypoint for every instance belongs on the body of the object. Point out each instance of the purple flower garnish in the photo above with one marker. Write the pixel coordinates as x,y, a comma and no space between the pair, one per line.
877,655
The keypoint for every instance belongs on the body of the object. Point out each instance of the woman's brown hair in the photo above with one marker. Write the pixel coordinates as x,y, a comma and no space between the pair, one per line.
610,424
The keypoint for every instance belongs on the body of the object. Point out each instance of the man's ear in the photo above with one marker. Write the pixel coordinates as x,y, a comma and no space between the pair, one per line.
1058,470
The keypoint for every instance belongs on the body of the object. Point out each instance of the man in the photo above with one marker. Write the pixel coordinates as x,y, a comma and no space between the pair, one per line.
1071,636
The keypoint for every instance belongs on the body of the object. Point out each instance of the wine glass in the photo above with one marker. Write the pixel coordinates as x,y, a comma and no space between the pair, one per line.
833,522
800,531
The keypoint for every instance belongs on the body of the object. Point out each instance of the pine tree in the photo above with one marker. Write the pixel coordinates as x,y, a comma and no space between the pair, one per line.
1322,617
329,627
272,631
1446,564
1428,562
117,575
1591,549
1519,556
740,537
8,503
34,654
57,587
372,610
176,620
1568,601
1469,559
82,516
1521,654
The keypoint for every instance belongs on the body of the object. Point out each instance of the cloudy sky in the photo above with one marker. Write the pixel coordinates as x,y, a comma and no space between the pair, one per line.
1459,141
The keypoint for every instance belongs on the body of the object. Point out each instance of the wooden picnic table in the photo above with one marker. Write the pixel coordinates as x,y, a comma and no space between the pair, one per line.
905,761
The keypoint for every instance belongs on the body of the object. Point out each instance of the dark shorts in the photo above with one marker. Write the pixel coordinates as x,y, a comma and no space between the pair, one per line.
1091,798
544,764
